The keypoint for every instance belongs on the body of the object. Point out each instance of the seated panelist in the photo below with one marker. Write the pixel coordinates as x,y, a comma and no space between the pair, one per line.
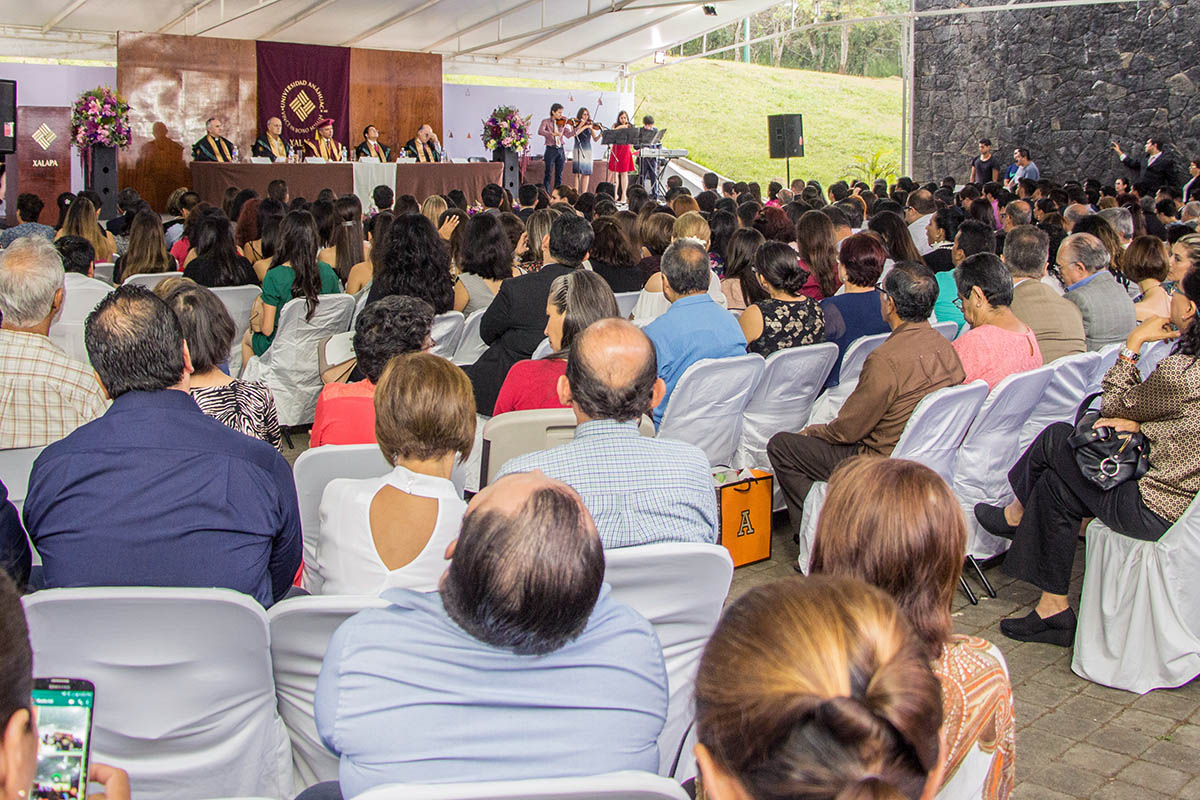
323,145
212,146
271,144
425,147
371,147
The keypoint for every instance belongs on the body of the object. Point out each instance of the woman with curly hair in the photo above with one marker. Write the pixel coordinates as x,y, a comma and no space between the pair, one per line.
415,262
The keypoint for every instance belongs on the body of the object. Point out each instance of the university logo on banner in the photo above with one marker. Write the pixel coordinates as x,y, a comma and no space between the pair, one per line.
303,84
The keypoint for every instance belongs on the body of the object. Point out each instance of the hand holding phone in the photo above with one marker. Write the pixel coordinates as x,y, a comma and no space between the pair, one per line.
64,724
115,782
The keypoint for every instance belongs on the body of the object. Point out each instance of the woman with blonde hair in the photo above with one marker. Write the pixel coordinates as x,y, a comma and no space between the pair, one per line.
81,220
653,303
896,525
147,250
432,209
816,689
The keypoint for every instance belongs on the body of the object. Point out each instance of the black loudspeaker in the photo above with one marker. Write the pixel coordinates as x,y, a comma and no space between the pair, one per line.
103,180
786,134
511,177
8,117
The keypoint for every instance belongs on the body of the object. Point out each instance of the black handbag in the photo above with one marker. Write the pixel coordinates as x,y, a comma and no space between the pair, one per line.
1107,457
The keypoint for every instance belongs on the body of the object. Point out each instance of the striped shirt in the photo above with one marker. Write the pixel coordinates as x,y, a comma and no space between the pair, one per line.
639,490
44,394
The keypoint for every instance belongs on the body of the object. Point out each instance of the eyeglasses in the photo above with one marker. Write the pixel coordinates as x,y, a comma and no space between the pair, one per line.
958,303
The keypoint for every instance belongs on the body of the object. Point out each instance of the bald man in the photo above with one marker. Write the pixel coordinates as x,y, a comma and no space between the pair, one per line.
271,144
424,147
521,665
638,489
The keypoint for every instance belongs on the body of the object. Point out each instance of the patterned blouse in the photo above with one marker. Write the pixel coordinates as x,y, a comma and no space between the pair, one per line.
245,406
978,733
788,323
1167,404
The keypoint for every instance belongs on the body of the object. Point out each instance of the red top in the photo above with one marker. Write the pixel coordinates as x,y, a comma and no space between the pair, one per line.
811,287
180,250
530,384
345,414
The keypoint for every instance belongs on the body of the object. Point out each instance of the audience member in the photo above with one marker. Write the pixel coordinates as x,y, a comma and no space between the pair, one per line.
146,253
665,488
438,687
29,210
530,253
897,238
44,394
1185,256
1056,322
393,326
395,530
855,313
217,262
81,291
612,256
998,343
654,234
81,220
415,262
740,285
973,237
295,273
514,324
245,406
576,300
1097,226
652,302
915,361
817,247
896,525
816,689
246,233
222,511
270,217
917,212
1145,264
787,317
1108,312
940,232
347,246
694,327
487,261
1053,496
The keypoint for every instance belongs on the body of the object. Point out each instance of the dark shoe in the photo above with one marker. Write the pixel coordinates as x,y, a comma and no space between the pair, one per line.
796,566
993,521
1058,629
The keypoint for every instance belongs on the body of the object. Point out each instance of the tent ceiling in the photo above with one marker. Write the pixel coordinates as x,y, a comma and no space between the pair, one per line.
512,36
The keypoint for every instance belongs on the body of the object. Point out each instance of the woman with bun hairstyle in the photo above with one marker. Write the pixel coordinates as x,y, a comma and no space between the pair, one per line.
787,318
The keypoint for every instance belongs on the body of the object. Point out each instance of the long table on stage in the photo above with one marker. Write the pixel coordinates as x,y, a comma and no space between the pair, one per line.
210,179
535,173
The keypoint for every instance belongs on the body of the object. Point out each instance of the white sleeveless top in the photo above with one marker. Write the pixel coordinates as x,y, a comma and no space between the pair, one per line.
347,561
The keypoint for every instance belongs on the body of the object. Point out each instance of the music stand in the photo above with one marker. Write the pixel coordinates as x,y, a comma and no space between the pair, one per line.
623,136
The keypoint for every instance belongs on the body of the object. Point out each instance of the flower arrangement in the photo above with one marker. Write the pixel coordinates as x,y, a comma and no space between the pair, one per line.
100,118
506,128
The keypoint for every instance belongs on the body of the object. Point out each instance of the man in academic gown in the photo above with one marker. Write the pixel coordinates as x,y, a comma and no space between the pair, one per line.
424,147
213,146
271,144
371,147
324,146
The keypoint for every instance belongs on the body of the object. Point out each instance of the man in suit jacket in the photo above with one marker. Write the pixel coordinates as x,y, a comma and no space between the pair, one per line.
271,144
213,146
371,147
1056,322
1108,313
1156,169
515,323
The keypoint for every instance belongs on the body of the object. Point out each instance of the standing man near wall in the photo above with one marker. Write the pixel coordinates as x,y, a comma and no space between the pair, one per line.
1156,169
1025,168
984,167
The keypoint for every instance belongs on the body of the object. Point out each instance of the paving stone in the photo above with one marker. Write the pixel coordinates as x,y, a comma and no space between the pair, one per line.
1094,759
1168,703
1060,676
1140,721
1068,779
1120,790
1172,754
1067,725
1033,791
1040,694
1191,791
1188,735
1154,777
1090,708
1117,696
1037,748
1119,740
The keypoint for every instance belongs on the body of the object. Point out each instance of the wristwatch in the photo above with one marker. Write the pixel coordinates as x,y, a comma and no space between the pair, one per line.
1129,355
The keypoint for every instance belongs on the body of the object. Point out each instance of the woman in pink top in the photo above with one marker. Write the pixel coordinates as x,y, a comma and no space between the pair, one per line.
998,343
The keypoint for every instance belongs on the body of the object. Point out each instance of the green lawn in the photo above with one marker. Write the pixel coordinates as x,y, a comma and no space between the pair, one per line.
717,110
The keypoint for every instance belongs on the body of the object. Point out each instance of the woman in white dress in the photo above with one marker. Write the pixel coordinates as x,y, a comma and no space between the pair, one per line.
393,530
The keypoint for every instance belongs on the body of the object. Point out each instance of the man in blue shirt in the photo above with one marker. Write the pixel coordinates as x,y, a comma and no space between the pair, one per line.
694,327
522,665
155,493
638,489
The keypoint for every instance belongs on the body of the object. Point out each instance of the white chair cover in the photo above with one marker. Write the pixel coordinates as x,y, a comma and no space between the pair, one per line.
1139,612
103,271
150,280
680,587
300,631
949,329
783,399
1108,357
626,301
830,402
612,786
446,333
289,366
360,302
15,466
69,336
708,403
1152,354
185,701
932,437
1064,393
990,449
238,300
339,348
470,345
544,349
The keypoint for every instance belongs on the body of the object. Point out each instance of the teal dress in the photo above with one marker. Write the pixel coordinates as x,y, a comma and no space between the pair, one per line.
277,290
944,309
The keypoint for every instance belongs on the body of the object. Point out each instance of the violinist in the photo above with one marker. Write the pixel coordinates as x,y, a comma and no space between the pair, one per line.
586,131
555,129
620,160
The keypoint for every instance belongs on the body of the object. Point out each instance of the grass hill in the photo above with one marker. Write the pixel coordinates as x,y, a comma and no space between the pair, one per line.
717,110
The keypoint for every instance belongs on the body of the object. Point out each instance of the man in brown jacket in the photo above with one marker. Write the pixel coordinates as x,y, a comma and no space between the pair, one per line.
1056,322
914,361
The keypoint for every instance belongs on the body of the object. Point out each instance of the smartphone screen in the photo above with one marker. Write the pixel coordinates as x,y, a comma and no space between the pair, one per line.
64,724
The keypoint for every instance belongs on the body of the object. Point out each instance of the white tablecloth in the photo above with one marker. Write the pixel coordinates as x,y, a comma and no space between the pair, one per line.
367,176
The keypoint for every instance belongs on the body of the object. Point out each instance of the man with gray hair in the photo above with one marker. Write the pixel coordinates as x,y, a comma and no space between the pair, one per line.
1121,221
1056,322
44,394
1016,213
694,327
1108,313
1072,214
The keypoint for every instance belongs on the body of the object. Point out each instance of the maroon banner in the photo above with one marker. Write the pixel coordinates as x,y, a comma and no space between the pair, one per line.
302,84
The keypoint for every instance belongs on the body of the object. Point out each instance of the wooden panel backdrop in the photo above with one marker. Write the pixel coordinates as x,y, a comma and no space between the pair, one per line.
175,83
396,92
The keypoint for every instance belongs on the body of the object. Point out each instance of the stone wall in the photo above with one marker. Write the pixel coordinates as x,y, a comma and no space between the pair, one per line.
1064,82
